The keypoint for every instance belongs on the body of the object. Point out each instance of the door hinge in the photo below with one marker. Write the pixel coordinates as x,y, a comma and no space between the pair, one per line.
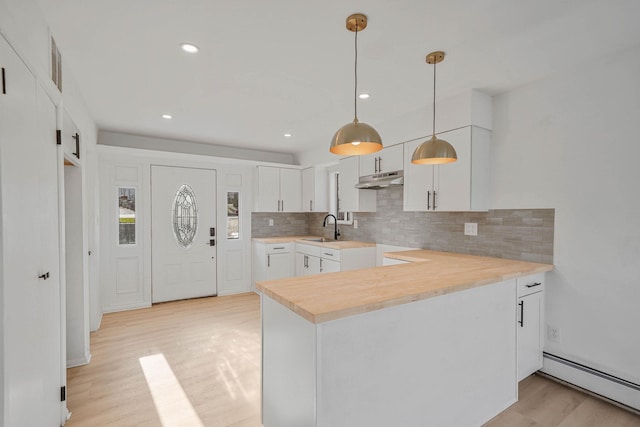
58,137
63,393
4,85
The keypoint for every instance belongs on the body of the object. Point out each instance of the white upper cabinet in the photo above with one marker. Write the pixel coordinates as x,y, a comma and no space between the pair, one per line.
278,189
350,198
386,160
315,195
459,186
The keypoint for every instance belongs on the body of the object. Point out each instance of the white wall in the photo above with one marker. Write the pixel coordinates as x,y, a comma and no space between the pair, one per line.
570,142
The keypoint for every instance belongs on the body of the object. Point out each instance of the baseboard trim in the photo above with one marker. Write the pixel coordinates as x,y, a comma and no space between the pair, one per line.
619,391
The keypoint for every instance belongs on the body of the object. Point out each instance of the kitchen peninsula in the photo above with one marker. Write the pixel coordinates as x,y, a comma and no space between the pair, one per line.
427,343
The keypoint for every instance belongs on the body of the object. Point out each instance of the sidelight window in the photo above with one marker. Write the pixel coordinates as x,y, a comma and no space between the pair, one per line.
233,215
127,215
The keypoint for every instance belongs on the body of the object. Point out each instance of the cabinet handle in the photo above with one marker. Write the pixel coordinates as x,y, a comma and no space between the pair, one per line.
320,265
434,200
533,285
375,165
428,200
44,276
77,138
310,205
4,85
282,206
279,247
379,164
521,321
305,262
268,260
326,253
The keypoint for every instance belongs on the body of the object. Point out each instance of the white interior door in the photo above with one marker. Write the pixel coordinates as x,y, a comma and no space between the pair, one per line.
183,233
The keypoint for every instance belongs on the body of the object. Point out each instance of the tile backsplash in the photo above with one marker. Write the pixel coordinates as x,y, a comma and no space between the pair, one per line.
520,234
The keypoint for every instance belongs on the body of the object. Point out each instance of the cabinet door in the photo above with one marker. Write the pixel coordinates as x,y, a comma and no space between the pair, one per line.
418,182
453,180
352,199
268,186
329,266
290,190
368,165
529,317
279,266
308,189
391,159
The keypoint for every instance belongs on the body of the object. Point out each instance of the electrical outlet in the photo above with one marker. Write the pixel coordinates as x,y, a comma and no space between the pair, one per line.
470,228
270,222
355,223
554,334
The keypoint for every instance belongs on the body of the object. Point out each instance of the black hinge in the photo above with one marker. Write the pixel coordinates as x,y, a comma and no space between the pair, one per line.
4,85
77,138
58,137
63,393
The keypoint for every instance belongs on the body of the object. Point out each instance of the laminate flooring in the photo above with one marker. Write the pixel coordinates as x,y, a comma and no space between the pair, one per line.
196,363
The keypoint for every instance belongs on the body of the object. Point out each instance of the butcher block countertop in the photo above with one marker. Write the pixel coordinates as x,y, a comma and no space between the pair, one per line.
332,244
325,297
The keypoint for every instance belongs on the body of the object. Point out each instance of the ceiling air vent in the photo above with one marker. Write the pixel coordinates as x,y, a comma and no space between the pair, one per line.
56,65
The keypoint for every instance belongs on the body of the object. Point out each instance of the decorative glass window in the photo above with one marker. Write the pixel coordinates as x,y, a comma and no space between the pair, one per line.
185,216
127,216
233,212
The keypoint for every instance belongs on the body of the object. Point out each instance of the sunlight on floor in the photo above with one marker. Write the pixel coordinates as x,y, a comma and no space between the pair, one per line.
172,404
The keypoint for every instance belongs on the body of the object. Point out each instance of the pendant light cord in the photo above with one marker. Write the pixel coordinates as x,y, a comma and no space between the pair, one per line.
434,99
355,86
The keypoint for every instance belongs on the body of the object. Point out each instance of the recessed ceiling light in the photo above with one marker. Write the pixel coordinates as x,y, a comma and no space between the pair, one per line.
189,48
287,135
364,96
167,116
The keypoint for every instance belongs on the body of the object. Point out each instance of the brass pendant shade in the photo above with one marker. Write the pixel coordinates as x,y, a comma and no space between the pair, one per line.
356,138
434,151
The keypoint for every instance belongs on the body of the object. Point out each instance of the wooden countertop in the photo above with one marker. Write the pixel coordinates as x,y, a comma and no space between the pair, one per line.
325,297
332,244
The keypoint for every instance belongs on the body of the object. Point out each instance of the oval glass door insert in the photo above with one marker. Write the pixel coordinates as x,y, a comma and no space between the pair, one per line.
185,216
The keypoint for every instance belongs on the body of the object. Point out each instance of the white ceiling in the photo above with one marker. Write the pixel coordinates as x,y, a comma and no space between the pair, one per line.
270,67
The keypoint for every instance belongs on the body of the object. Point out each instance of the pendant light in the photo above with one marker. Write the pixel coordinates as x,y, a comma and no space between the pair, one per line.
356,138
434,151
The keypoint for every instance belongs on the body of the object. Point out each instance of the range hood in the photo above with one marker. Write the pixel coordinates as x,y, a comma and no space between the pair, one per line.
380,180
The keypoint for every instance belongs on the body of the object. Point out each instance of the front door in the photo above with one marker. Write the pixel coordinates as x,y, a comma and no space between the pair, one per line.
183,233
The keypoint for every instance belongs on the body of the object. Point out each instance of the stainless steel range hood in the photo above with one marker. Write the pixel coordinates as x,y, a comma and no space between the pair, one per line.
380,180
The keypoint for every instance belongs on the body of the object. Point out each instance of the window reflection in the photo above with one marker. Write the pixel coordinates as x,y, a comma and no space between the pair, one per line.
127,216
233,219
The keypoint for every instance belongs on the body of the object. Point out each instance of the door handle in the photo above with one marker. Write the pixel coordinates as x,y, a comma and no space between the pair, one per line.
521,321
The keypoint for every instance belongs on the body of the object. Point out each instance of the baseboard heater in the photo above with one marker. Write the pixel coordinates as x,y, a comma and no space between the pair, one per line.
618,390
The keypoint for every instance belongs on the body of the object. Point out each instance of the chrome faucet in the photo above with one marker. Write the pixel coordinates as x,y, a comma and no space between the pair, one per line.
336,233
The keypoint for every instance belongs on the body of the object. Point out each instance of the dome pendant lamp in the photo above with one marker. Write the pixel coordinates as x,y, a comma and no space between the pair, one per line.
434,151
356,138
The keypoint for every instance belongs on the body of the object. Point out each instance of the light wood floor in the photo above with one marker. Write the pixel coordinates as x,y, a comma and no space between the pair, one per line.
197,363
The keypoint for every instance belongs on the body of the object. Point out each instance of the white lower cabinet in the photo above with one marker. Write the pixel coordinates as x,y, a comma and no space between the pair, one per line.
272,261
311,259
530,321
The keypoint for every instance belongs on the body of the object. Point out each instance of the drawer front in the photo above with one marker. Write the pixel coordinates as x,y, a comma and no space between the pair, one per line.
276,248
309,249
333,254
530,284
